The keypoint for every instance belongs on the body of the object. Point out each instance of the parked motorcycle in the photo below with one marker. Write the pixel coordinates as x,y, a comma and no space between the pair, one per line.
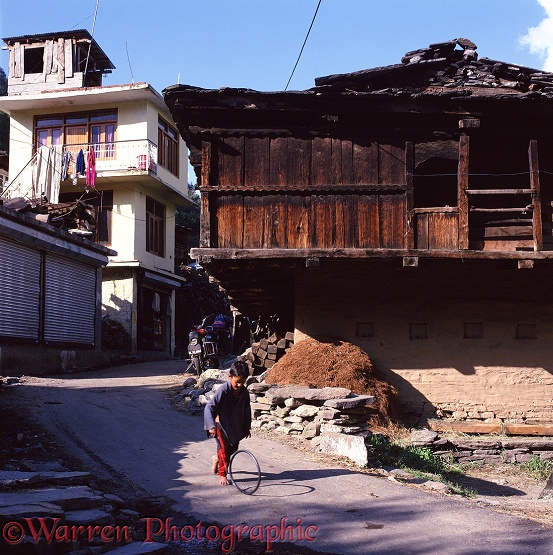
204,342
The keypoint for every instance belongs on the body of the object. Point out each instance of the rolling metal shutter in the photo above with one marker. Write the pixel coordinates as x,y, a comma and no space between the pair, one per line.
70,301
19,290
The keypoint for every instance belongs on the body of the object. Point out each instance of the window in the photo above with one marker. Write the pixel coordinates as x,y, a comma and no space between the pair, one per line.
34,59
155,227
473,330
168,147
526,331
418,331
78,130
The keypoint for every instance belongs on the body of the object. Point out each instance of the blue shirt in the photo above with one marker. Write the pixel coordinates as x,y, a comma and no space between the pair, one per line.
235,414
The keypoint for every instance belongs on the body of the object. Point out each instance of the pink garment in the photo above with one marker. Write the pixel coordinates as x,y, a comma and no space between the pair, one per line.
91,168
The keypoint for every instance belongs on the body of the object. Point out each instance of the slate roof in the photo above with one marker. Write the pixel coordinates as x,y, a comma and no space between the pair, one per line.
452,65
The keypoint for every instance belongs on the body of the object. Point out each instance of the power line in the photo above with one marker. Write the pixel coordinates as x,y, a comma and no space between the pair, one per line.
303,46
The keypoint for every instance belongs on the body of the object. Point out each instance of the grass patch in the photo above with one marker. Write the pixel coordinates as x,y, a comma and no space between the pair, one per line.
421,462
538,468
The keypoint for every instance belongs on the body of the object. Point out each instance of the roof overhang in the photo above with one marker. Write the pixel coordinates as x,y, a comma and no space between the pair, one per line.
81,97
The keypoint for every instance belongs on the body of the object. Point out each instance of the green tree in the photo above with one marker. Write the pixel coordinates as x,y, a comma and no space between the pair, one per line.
4,118
189,216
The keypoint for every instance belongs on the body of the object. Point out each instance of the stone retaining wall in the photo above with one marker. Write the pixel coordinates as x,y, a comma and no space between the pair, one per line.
488,449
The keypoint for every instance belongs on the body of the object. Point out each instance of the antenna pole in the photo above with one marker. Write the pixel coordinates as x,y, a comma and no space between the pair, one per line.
92,34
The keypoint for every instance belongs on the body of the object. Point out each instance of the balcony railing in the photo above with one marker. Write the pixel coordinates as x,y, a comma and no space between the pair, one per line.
119,156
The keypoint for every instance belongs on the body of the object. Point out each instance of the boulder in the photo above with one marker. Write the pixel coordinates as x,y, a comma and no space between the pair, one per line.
345,445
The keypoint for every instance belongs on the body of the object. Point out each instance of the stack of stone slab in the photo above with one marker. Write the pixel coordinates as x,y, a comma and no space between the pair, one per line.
331,417
264,354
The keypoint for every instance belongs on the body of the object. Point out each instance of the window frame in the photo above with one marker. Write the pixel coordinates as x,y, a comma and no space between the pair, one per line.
155,227
88,119
168,146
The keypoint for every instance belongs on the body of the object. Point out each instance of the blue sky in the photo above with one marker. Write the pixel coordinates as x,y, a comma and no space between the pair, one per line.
255,43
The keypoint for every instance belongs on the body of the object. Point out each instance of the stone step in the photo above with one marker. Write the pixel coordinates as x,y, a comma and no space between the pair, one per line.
85,517
68,498
11,478
30,510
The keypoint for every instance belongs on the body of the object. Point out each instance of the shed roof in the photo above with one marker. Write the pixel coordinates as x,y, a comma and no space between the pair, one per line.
102,61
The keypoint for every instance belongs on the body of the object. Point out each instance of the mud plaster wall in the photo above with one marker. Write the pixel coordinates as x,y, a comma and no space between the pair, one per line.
445,375
118,293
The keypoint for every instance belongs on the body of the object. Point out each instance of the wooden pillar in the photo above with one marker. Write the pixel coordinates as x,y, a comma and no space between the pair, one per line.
465,125
537,230
205,208
409,196
462,186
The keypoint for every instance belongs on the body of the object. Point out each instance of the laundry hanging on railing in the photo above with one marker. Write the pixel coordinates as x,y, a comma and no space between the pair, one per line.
79,166
65,161
47,173
91,169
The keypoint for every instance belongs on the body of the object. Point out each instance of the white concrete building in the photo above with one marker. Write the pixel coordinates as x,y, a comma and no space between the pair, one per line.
135,171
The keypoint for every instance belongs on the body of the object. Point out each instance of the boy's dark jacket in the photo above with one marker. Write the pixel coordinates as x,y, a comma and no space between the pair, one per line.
235,415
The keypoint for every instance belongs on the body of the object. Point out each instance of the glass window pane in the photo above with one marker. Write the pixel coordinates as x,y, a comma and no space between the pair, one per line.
103,116
96,134
49,122
56,136
76,118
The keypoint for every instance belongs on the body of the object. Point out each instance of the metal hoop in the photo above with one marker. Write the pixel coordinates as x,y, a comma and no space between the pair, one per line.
252,488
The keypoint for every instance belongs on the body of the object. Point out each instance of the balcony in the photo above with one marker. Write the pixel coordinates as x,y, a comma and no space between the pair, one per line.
119,156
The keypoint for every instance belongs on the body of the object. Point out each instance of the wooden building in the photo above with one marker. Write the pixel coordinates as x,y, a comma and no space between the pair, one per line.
406,208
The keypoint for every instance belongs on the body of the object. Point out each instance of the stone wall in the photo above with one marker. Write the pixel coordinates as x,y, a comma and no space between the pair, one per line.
491,449
460,339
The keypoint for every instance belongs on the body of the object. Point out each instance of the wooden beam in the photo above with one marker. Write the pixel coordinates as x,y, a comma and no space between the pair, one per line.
462,186
357,253
536,198
499,191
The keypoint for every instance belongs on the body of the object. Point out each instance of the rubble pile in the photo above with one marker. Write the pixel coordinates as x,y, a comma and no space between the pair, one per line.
76,217
295,410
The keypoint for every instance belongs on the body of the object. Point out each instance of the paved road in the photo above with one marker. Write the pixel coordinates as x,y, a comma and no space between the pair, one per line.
120,422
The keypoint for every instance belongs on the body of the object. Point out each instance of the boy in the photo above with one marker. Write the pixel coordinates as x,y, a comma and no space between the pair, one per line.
231,407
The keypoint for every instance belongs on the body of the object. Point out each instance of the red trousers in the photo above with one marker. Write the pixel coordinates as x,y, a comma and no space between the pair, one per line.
224,450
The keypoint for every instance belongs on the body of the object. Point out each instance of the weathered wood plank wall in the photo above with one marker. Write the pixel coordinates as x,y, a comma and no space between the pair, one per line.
289,192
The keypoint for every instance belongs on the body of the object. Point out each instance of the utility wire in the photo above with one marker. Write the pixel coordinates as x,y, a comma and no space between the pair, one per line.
304,42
